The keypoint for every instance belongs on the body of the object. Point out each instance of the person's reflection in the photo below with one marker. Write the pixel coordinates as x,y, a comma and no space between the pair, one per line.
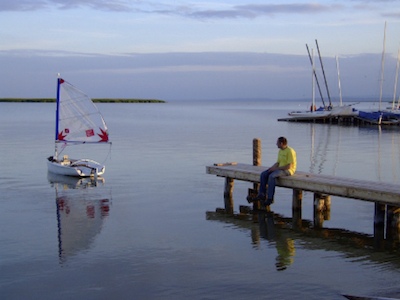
284,246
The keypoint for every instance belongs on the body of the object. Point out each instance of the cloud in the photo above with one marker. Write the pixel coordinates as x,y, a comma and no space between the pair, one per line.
253,10
22,5
203,75
34,5
111,5
248,11
392,15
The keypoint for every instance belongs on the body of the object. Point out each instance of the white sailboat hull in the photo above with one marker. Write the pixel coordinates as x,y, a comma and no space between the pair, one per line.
311,114
79,168
344,110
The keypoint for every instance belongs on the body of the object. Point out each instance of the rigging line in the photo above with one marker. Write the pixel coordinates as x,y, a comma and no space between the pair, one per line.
323,72
395,82
340,89
108,154
383,63
315,74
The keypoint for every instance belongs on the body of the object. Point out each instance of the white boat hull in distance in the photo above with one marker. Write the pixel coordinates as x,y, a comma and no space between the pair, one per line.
310,114
345,111
79,168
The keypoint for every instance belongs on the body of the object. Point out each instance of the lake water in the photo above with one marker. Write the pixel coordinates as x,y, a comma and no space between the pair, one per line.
150,231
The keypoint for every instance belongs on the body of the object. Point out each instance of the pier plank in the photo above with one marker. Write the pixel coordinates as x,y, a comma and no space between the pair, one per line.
385,193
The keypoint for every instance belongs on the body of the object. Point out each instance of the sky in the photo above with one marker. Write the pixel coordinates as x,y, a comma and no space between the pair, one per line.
184,50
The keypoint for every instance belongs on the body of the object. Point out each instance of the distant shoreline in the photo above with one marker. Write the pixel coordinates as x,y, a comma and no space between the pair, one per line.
44,100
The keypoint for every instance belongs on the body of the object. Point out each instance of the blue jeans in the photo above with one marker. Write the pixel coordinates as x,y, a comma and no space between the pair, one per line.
268,178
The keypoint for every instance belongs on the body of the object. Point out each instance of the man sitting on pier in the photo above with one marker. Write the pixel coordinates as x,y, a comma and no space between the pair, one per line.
285,166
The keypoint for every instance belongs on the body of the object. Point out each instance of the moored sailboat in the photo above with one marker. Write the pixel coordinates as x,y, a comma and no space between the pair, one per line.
381,116
78,121
324,111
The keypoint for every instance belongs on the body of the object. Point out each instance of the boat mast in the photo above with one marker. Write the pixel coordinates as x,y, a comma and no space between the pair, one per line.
323,72
338,75
57,114
313,82
395,82
383,63
315,74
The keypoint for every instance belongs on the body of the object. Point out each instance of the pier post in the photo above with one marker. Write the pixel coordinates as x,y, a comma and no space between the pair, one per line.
256,162
379,225
327,213
228,191
393,222
321,209
297,207
379,217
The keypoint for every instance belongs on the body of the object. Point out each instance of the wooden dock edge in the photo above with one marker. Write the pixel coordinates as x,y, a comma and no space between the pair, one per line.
383,193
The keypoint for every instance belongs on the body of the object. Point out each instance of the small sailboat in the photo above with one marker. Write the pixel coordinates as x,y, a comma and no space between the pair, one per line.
381,117
78,121
313,112
325,110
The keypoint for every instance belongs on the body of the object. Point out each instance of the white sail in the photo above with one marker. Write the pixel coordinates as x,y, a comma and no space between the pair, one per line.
78,119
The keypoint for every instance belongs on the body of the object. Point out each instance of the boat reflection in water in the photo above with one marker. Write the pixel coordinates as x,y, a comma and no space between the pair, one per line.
81,212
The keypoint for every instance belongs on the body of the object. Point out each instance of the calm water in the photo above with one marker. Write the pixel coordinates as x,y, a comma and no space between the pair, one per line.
150,230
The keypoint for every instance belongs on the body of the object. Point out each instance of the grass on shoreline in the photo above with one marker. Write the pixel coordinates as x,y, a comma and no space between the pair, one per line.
94,100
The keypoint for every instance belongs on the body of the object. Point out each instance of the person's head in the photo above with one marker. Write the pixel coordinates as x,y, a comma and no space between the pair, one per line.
282,142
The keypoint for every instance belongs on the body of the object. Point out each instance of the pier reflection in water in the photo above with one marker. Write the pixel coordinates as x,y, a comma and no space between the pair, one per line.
287,234
81,212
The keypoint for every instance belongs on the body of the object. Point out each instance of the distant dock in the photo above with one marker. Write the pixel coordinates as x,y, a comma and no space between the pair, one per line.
340,120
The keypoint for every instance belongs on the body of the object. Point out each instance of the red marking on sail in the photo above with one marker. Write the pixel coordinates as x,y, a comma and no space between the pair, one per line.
89,132
61,80
90,211
104,136
66,130
61,136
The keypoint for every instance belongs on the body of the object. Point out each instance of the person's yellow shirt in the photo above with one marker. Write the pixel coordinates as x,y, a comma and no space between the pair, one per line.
287,156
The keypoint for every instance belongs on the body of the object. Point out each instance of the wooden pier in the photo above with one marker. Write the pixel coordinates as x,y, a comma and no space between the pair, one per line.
386,196
350,120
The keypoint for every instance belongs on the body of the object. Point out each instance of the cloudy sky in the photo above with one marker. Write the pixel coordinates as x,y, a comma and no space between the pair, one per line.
196,49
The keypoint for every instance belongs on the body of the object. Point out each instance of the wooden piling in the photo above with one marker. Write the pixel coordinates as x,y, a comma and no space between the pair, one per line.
319,209
297,199
393,223
319,202
379,225
297,207
327,212
228,199
256,152
318,219
256,162
379,217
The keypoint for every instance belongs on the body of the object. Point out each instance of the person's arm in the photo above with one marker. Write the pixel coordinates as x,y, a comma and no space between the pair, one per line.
276,167
273,167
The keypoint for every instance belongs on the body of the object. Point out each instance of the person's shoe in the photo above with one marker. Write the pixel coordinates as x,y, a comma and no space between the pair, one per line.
251,199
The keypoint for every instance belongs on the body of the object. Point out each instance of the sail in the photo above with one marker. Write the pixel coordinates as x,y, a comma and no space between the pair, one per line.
78,119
